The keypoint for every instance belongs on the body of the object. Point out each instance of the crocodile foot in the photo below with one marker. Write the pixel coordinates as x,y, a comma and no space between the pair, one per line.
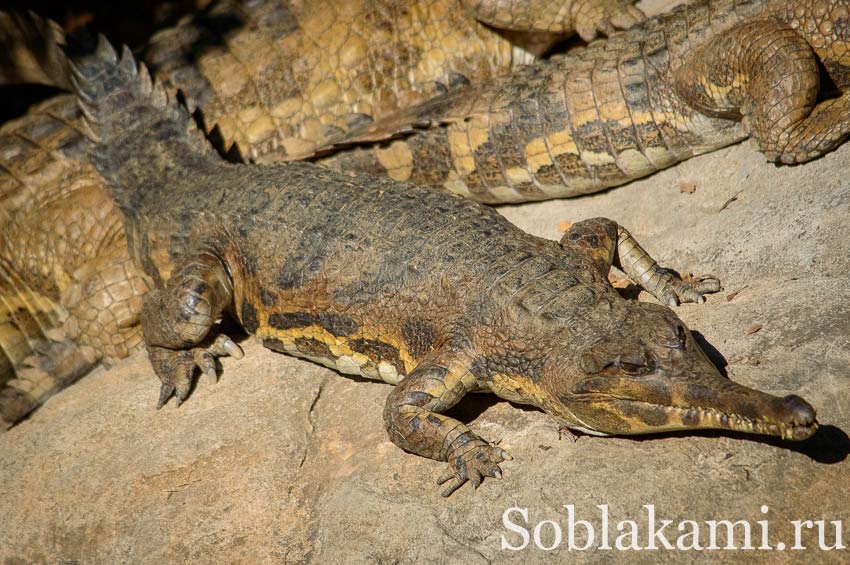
58,354
674,291
593,17
55,363
176,367
479,461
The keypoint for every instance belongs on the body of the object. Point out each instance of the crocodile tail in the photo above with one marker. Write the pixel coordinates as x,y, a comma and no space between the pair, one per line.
31,50
130,115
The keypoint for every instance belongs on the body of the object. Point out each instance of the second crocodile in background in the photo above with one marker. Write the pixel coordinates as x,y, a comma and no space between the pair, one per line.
708,74
433,293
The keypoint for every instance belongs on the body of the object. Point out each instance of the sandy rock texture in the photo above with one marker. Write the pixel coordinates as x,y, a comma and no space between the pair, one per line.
285,461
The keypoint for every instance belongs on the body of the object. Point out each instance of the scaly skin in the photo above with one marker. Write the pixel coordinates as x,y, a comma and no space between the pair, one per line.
707,74
291,75
273,76
434,293
69,293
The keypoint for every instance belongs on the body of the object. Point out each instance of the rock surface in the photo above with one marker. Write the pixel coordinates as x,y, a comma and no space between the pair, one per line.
285,461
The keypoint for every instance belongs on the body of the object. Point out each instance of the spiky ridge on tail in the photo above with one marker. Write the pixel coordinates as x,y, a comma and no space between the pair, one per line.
141,132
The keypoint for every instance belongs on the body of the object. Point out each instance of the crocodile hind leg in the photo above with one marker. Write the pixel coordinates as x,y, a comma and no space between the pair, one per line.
177,319
412,416
767,74
604,243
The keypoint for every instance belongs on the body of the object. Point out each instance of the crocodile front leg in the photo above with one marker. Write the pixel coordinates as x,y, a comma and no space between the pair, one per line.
768,74
414,421
178,318
605,243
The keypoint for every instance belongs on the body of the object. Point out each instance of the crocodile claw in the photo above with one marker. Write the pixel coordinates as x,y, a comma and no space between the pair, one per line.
165,392
176,368
223,345
473,465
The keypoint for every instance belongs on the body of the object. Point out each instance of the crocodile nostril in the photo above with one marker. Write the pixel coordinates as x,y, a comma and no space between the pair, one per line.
800,411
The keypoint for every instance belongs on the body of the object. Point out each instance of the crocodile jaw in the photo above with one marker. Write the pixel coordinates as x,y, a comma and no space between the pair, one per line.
699,418
790,418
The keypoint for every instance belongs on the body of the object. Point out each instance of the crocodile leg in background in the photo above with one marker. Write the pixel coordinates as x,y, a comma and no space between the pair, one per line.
270,76
767,73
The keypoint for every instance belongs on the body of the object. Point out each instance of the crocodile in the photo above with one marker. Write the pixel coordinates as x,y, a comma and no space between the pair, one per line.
70,296
705,75
425,290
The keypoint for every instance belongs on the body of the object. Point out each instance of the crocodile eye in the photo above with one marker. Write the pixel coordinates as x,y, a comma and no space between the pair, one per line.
635,364
634,369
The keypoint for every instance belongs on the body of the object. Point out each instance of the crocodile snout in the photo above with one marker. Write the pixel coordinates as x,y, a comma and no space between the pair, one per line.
798,411
798,417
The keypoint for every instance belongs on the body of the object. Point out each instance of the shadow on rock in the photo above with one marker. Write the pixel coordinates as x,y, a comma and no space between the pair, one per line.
716,358
473,405
829,445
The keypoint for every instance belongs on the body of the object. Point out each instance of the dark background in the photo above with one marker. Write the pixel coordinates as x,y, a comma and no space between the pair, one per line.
128,22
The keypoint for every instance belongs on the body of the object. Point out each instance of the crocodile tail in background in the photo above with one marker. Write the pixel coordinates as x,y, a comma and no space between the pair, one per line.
126,111
31,51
